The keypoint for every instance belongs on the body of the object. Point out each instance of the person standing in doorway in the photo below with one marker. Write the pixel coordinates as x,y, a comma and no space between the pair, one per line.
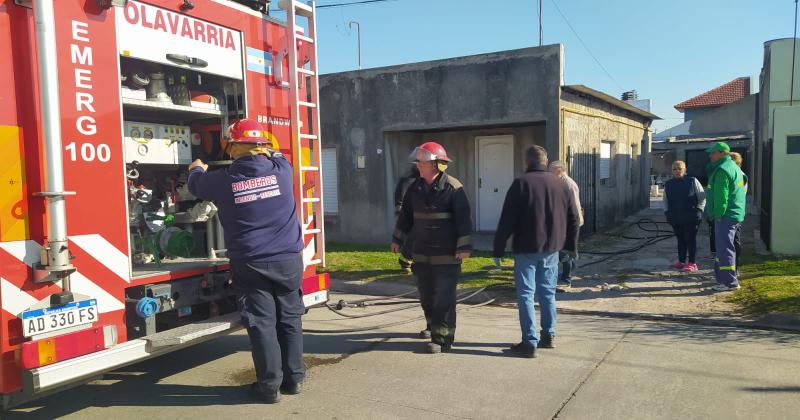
559,169
684,201
435,208
540,213
725,207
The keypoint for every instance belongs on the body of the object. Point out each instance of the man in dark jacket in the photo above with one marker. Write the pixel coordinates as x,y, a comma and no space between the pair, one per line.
435,208
541,213
258,213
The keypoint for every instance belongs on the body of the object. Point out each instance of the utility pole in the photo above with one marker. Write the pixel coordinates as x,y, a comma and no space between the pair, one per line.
540,22
358,32
794,49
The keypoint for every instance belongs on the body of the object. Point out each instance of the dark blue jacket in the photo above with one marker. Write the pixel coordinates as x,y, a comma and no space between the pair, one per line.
256,207
684,199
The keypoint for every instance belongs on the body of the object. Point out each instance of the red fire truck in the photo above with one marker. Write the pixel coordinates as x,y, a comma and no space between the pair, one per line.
105,257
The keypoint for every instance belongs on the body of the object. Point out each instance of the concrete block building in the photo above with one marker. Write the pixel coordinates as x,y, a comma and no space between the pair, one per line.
485,110
778,146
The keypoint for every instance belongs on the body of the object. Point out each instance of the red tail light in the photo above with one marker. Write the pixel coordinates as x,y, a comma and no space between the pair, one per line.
62,347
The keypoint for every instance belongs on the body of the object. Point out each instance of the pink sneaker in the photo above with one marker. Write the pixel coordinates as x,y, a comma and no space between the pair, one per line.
688,268
679,265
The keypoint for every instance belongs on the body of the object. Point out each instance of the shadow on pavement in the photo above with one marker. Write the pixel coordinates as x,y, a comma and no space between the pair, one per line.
774,389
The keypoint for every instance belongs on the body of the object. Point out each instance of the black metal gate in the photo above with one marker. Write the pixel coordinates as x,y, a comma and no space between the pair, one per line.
583,170
766,192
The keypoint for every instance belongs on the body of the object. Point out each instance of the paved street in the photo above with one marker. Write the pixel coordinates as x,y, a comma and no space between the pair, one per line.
602,368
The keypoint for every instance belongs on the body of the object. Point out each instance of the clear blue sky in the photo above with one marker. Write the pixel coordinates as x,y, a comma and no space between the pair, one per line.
668,50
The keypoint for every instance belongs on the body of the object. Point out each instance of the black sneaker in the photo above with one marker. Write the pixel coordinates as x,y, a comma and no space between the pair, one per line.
269,397
523,350
546,342
292,389
435,348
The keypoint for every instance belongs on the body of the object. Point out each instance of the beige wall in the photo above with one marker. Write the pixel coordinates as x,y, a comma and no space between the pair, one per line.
586,122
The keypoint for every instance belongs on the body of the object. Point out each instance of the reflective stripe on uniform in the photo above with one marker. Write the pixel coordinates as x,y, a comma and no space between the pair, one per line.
433,216
727,267
436,259
463,241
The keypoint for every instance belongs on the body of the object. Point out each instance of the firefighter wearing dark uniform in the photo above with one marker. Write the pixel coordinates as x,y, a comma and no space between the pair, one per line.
435,208
258,214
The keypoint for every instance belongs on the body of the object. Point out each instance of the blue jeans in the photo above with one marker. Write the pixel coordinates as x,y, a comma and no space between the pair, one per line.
536,274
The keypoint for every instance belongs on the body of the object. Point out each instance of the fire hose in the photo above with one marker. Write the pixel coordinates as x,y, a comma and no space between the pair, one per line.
648,240
343,304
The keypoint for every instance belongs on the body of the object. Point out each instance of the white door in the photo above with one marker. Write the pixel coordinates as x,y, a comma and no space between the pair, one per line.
495,174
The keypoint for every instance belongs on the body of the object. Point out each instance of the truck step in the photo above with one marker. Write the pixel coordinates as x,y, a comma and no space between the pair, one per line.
195,330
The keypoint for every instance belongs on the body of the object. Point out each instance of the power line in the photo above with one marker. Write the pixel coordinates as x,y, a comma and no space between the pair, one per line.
354,3
586,46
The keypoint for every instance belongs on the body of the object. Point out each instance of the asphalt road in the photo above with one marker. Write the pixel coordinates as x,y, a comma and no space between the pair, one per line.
601,368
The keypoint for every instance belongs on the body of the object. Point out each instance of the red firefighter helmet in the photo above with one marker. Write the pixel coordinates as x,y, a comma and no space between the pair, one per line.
429,151
247,131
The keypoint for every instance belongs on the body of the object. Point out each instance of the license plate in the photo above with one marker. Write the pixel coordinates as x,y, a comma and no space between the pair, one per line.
40,321
315,298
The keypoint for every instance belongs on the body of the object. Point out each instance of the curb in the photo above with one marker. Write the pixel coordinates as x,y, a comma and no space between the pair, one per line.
757,324
774,322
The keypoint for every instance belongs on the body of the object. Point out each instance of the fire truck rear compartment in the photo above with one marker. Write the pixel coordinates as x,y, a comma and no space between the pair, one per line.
172,116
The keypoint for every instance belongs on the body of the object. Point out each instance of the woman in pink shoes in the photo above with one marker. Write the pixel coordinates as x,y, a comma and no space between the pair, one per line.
684,201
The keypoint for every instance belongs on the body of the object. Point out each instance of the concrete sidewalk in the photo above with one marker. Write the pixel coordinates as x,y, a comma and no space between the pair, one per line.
602,368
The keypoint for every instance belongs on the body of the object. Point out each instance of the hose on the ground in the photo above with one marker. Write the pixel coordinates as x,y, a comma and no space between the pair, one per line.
650,240
459,299
387,325
360,301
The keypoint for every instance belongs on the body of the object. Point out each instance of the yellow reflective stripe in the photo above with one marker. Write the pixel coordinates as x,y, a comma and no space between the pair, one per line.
463,241
436,259
47,352
433,216
727,267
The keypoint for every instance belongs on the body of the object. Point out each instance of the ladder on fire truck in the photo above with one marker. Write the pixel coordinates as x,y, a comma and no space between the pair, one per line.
308,179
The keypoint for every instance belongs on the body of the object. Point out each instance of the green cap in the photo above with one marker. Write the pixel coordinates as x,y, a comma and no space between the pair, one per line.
719,147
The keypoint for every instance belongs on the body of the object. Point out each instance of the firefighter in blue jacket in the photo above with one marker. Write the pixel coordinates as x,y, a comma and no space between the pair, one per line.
258,214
